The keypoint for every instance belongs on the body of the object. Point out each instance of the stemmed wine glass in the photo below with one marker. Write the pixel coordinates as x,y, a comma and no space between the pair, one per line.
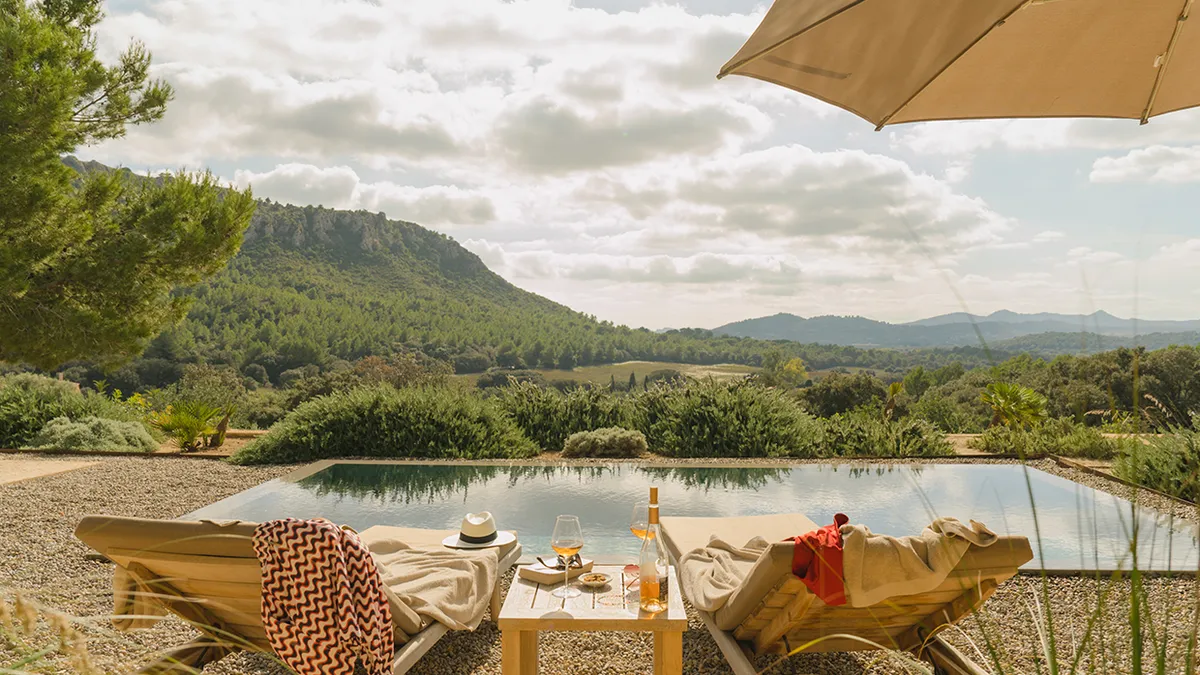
639,523
567,541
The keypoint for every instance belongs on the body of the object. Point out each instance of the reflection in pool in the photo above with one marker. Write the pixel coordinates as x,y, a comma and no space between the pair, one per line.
1081,528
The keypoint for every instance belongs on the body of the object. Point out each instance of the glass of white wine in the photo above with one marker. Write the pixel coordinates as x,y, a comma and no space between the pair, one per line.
567,541
639,522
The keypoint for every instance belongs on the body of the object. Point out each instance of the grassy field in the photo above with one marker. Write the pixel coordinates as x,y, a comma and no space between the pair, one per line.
620,371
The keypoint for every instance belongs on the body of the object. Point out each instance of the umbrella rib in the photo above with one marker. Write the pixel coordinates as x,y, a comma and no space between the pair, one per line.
1166,59
729,68
999,22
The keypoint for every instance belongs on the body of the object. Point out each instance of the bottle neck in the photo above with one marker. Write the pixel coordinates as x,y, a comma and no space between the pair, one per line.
654,514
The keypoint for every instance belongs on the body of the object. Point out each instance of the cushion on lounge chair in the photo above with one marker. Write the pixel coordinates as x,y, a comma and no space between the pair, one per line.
683,535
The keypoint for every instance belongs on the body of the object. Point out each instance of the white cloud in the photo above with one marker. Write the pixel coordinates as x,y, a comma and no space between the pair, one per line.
1155,164
1086,254
1048,236
340,187
971,137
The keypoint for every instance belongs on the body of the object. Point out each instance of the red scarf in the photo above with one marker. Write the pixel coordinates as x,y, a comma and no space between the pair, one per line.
323,606
817,560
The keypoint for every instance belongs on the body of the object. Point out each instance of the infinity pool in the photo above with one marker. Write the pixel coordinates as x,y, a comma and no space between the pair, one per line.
1080,527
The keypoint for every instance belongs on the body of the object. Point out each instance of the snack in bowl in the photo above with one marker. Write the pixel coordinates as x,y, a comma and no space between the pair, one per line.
594,579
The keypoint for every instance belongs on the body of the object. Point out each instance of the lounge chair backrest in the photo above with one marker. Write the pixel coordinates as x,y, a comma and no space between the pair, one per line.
205,572
776,612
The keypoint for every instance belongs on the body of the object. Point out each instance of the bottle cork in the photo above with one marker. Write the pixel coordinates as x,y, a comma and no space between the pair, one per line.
653,495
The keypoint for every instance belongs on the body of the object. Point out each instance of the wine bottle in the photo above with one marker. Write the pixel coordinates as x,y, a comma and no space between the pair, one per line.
653,563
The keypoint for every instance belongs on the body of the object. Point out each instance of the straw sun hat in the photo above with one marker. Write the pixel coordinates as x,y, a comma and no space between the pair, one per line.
479,531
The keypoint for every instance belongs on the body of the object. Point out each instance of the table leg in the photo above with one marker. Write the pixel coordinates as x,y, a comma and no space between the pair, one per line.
668,653
519,652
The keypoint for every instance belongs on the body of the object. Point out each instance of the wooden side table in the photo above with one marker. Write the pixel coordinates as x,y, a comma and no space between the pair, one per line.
530,607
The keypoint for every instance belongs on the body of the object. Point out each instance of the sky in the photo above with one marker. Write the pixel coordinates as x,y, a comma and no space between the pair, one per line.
586,152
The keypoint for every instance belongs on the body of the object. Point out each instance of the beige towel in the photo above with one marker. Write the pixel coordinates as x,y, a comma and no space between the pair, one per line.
710,575
449,586
878,567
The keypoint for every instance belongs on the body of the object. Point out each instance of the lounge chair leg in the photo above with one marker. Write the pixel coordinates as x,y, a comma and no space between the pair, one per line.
187,659
494,605
947,660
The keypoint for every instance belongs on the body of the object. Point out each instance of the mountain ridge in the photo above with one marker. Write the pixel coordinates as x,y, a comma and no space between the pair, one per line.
948,330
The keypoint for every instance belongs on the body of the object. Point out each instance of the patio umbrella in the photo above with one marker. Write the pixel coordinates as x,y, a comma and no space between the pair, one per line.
895,61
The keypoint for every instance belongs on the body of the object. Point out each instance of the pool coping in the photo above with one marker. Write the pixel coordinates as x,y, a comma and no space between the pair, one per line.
723,463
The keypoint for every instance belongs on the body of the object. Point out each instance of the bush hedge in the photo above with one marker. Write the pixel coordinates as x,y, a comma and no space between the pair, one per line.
28,402
707,418
865,434
548,417
1169,463
1053,437
95,434
612,442
382,421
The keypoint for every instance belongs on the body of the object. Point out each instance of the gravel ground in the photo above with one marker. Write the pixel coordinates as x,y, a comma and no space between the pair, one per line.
39,555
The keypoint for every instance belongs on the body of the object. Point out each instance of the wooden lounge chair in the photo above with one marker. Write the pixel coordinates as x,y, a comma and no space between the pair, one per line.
773,612
207,574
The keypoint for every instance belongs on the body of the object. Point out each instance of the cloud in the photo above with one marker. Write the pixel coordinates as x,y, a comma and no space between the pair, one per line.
235,114
1048,236
973,136
1155,164
1086,254
543,136
846,198
340,187
463,86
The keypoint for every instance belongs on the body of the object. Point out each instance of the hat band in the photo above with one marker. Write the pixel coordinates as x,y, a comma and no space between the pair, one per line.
477,540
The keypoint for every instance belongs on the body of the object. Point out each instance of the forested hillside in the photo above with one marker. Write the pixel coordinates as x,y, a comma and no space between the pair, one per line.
317,287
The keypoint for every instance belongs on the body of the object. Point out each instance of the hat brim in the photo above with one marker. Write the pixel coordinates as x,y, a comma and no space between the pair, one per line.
502,538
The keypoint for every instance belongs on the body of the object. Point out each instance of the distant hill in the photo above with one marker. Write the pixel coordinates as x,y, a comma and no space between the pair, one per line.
1001,330
1054,344
317,286
1100,322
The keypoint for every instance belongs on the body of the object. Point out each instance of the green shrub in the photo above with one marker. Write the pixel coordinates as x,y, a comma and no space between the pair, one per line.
863,434
501,377
189,423
93,433
708,418
942,413
610,442
840,392
1169,463
382,421
28,402
548,417
1054,437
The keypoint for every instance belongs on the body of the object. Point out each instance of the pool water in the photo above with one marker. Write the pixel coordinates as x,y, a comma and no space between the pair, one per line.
1080,527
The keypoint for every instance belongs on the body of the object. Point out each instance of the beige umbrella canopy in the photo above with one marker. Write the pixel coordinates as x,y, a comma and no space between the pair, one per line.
895,61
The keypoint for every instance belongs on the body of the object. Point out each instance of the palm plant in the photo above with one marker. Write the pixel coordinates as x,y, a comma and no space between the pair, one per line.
187,423
1014,406
893,394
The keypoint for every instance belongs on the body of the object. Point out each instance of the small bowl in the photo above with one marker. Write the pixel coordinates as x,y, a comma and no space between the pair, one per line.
594,579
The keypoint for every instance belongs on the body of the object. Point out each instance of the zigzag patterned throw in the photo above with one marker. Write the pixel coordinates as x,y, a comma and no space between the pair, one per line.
323,605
